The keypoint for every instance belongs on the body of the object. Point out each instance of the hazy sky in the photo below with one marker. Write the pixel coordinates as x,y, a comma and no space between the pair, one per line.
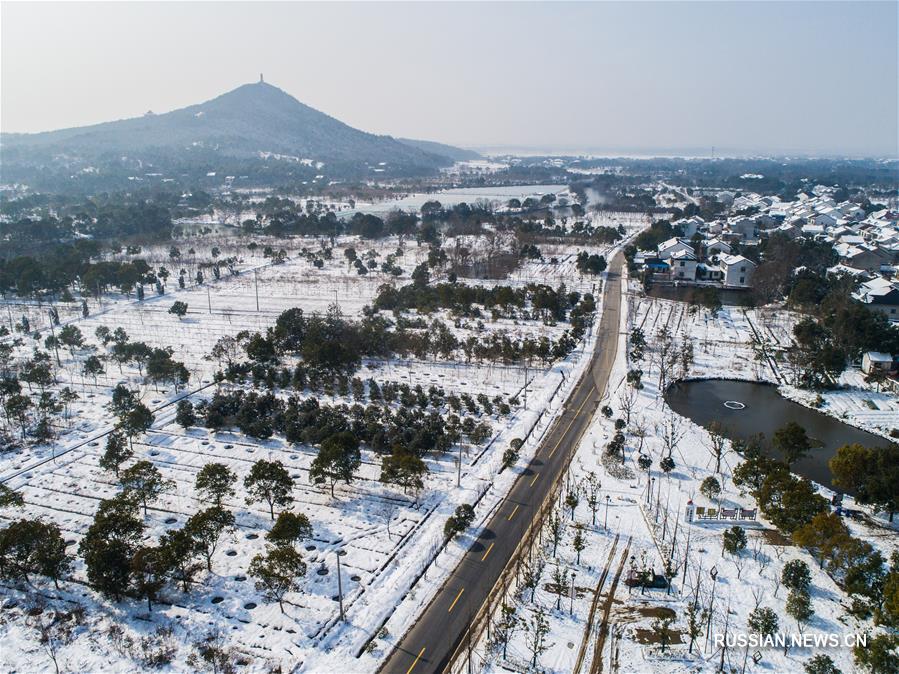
804,77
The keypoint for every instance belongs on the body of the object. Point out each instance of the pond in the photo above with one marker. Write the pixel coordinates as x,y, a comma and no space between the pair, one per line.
765,411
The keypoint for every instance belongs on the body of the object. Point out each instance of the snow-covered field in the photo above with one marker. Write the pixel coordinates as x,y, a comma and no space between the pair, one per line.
385,539
603,625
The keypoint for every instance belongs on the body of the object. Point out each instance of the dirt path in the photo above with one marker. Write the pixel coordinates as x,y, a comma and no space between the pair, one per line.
588,628
596,665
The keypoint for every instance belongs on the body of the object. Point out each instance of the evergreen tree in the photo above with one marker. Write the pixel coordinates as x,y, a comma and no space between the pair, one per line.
148,573
10,498
117,452
29,547
278,572
179,551
144,480
338,459
215,483
136,421
404,469
269,481
185,414
289,528
109,545
206,528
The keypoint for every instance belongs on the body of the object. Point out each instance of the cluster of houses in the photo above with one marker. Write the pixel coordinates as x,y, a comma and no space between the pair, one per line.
677,261
867,243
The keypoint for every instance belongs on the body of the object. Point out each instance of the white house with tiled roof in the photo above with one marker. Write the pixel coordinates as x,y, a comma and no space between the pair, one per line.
736,271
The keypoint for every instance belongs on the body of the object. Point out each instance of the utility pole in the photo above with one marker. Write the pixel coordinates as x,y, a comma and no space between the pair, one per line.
687,554
459,468
256,280
339,586
55,344
209,299
573,576
525,385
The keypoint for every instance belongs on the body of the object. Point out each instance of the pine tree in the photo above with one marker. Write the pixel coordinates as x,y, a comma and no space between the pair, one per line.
338,459
109,544
215,483
289,528
206,528
269,481
117,452
144,480
148,573
278,572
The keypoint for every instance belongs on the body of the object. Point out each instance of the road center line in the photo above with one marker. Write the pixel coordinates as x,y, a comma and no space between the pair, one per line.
535,479
415,662
512,514
571,423
488,551
453,605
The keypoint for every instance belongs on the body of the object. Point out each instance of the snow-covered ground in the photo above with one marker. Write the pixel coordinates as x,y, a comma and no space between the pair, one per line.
387,540
633,528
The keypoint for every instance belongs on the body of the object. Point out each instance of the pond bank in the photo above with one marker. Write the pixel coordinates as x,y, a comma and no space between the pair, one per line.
765,410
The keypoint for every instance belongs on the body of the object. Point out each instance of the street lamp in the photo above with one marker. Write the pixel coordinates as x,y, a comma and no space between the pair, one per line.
605,523
713,572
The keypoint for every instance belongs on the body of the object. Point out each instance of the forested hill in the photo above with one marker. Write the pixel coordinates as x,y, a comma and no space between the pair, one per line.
254,122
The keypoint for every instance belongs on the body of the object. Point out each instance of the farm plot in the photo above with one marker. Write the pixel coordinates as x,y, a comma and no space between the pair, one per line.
382,537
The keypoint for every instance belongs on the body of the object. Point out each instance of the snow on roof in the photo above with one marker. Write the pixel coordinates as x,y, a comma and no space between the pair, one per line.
879,357
878,285
718,242
670,242
683,253
735,259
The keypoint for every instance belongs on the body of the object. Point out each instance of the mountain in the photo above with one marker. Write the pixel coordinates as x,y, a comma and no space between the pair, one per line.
454,153
253,122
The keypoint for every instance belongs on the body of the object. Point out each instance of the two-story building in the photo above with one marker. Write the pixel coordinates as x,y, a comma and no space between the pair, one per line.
736,271
683,265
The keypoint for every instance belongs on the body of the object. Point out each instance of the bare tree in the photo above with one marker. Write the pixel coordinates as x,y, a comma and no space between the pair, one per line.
718,442
537,630
628,402
672,432
665,357
640,432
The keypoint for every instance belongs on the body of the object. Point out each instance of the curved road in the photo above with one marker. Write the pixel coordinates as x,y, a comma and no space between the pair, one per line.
429,644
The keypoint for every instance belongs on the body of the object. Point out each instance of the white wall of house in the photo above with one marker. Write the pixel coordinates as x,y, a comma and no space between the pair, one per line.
668,248
683,270
737,271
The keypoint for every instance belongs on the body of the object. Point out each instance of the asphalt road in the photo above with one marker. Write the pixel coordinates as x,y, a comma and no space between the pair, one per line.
428,645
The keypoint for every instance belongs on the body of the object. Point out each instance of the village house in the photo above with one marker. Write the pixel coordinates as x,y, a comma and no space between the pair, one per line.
717,246
881,295
683,265
863,256
736,271
667,248
745,228
875,361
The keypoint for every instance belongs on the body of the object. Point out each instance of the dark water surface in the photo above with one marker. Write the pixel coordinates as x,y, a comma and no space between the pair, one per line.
766,411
